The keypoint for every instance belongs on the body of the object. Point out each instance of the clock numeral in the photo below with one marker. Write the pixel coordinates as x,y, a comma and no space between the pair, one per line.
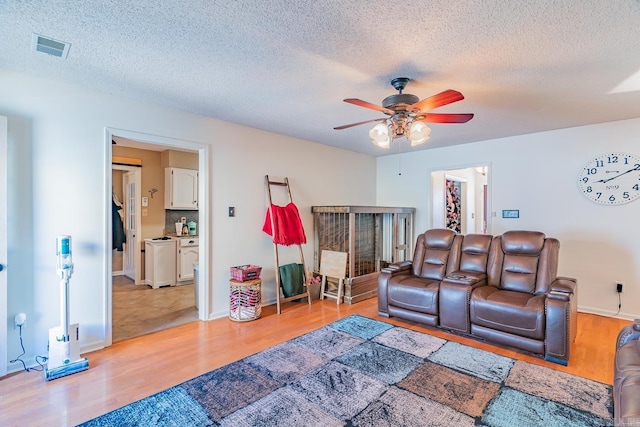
585,179
589,189
625,195
612,159
612,198
600,163
592,171
635,187
626,160
599,194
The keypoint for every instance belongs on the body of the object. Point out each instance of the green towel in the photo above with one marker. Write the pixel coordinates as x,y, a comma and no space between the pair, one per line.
292,279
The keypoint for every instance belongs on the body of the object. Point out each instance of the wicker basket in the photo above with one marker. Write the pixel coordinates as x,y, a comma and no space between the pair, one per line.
245,272
245,300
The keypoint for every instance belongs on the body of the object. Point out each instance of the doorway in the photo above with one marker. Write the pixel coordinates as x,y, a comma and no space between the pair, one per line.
126,202
132,195
460,199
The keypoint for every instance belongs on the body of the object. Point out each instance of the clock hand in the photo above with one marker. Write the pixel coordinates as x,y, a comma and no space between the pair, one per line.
637,167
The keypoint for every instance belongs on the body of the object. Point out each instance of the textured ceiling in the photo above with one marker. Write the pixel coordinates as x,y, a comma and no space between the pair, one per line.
285,66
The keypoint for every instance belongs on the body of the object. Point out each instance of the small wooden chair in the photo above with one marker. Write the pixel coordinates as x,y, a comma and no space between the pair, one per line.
333,264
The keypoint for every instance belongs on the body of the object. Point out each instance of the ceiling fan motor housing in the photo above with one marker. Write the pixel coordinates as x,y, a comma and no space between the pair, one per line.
399,101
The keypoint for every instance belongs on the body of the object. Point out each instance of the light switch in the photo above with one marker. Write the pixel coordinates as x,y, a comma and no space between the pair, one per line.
145,201
144,212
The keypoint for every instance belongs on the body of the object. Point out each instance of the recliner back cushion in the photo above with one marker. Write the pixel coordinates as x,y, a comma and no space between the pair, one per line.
475,251
522,242
432,253
519,273
520,265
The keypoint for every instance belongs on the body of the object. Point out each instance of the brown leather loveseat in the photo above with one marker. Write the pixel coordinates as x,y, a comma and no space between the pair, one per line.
626,376
503,289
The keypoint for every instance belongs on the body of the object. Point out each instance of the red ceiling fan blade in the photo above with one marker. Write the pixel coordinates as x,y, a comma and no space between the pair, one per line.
447,118
365,104
435,101
358,124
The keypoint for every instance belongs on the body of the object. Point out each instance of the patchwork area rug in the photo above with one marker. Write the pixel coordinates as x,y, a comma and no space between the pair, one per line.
363,372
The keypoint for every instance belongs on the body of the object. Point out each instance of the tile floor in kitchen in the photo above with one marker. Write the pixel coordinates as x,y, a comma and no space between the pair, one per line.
139,309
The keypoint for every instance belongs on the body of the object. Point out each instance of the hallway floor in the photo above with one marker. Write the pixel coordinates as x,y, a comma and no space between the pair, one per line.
140,309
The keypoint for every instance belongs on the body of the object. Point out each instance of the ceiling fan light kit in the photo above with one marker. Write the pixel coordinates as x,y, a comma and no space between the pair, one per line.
379,135
407,116
419,133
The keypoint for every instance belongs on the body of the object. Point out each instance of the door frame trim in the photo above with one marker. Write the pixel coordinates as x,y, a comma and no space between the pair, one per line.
4,282
204,161
138,181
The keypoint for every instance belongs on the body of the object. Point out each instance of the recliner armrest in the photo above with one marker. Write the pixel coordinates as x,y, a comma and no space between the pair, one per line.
565,285
385,275
628,333
468,278
397,267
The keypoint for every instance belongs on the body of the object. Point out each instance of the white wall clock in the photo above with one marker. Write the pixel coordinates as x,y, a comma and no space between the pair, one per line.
611,178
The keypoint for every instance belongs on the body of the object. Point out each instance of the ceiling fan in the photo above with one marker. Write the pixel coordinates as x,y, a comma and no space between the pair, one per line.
408,115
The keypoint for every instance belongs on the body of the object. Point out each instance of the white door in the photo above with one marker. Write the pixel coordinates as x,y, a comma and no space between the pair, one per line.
131,257
3,246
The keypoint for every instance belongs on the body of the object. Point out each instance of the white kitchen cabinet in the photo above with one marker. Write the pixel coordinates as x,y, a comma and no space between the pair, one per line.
180,189
186,258
187,254
160,262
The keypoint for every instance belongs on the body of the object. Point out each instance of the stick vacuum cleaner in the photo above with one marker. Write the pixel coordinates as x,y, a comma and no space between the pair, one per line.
64,348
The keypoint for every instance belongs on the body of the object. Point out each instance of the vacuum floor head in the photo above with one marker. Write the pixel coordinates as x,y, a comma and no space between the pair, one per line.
67,369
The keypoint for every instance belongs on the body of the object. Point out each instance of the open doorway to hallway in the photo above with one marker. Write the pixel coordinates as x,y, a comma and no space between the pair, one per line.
138,302
460,199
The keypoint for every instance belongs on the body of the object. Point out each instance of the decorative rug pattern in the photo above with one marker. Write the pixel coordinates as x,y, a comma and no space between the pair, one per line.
364,372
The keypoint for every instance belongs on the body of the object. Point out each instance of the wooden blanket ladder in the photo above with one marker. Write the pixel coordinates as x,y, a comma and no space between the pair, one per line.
281,298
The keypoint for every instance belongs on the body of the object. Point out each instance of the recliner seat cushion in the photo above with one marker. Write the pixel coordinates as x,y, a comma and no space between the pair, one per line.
508,311
413,293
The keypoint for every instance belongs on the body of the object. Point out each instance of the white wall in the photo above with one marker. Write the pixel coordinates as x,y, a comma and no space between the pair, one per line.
57,169
538,174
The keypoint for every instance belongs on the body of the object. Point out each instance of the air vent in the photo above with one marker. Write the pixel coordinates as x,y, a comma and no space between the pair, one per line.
49,46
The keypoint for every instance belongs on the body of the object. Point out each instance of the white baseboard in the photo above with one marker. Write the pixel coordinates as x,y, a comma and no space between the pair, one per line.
608,313
117,273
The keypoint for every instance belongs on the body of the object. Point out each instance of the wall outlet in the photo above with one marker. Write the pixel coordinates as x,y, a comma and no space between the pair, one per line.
19,320
618,287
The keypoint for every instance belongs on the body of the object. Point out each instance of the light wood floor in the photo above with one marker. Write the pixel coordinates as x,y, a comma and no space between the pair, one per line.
140,309
136,368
